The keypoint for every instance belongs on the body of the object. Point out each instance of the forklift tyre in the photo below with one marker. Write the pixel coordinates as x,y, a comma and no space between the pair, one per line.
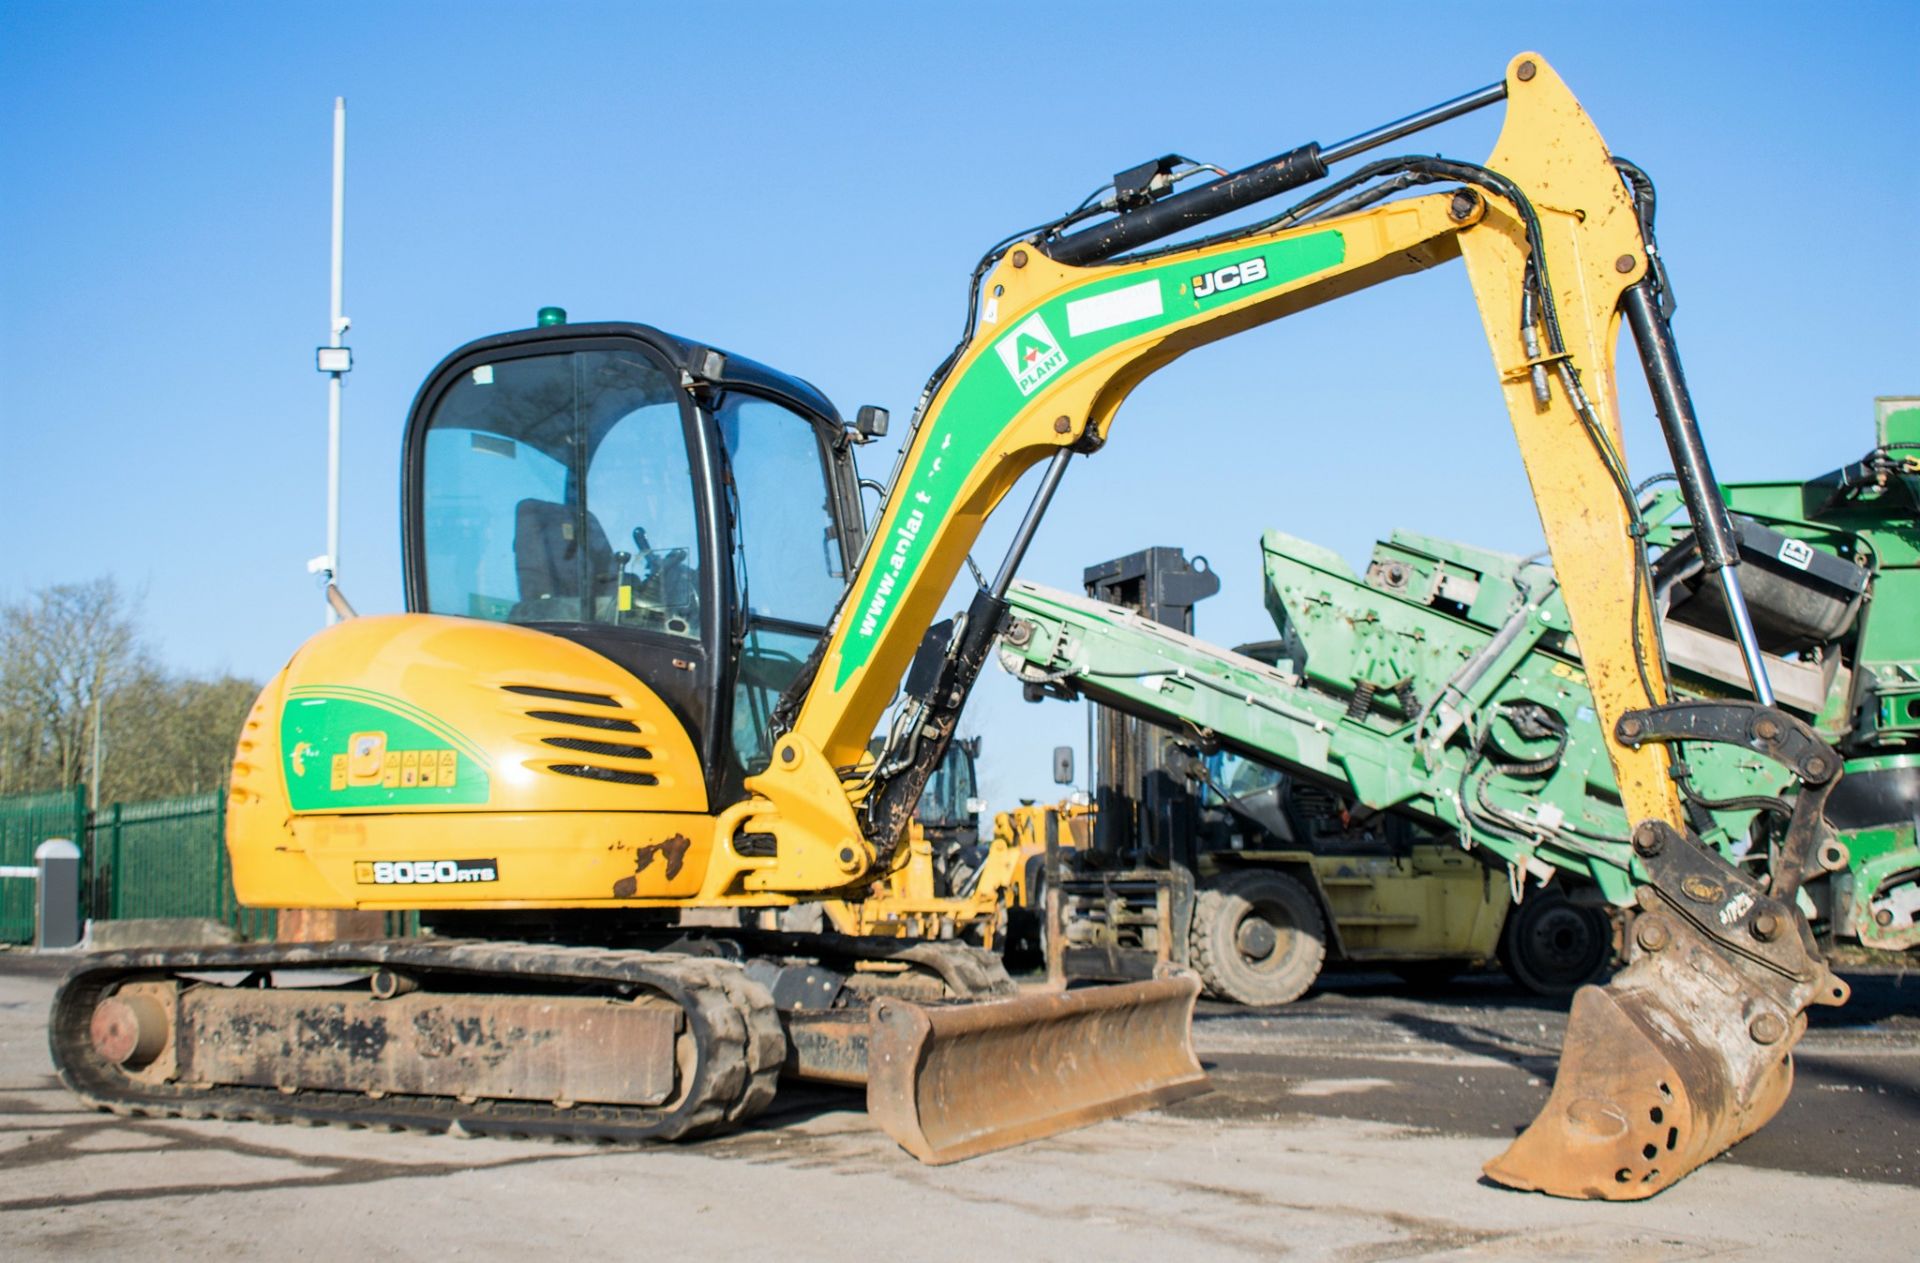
1258,937
1026,941
1553,946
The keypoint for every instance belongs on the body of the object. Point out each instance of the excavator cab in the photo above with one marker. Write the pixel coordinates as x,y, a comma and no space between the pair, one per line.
686,513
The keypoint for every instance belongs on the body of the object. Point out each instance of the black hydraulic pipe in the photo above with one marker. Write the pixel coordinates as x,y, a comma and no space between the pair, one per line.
1248,185
1043,496
1180,211
1712,524
1713,527
1430,117
892,802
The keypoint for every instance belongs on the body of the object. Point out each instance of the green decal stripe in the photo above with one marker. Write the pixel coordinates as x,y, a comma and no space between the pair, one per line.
383,701
386,701
322,732
985,401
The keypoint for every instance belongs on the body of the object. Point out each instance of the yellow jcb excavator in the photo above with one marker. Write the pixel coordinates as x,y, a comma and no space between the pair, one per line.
649,640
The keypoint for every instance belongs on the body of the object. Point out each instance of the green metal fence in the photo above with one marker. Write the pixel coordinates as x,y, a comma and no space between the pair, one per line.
165,858
27,820
168,858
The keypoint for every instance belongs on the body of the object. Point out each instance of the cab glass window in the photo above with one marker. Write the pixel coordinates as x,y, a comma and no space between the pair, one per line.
769,659
787,553
558,488
943,804
787,564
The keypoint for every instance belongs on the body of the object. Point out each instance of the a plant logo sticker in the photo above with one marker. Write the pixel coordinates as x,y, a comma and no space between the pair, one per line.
1031,353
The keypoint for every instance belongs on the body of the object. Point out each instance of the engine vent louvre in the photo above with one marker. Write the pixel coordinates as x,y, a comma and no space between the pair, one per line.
617,776
604,722
560,695
612,749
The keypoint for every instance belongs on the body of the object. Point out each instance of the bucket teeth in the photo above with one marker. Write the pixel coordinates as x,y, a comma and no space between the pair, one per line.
950,1081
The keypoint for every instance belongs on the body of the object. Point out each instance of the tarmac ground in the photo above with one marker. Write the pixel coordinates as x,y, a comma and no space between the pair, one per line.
1350,1125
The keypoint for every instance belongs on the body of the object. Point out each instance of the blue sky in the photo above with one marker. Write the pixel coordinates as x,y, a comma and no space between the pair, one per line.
809,185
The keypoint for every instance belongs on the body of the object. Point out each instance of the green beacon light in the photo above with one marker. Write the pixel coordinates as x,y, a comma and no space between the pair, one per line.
551,316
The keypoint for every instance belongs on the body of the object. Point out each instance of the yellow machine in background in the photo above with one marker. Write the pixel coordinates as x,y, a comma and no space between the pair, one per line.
1361,890
1425,910
943,884
649,640
948,883
1022,837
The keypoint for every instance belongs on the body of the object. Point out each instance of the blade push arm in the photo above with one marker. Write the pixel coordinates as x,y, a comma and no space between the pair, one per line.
1551,242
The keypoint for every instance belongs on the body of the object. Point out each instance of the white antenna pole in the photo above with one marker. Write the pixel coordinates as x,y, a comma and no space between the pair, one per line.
337,364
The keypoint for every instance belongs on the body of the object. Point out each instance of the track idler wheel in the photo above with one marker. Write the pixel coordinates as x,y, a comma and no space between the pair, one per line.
1686,1052
130,1029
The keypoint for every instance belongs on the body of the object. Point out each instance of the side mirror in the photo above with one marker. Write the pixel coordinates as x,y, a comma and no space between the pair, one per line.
1063,765
870,423
971,745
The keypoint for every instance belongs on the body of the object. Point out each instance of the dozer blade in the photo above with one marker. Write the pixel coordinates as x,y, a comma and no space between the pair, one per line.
950,1081
1687,1051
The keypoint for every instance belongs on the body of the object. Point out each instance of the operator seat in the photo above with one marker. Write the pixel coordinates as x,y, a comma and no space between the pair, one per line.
546,559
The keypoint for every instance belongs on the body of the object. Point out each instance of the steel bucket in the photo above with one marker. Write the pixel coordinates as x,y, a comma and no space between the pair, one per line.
1683,1055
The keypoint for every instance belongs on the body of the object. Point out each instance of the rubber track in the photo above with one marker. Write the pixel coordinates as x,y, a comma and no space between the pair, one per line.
737,1034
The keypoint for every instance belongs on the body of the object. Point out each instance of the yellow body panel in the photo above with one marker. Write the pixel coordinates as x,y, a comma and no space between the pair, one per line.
324,813
546,859
487,691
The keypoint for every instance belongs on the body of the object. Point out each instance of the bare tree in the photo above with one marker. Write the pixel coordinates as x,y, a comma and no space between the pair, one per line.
69,649
62,649
169,735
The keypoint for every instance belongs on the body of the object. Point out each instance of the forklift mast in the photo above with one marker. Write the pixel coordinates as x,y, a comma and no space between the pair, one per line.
1146,815
1138,878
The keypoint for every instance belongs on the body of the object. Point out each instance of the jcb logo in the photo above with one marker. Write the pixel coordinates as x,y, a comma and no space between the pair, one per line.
1232,276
